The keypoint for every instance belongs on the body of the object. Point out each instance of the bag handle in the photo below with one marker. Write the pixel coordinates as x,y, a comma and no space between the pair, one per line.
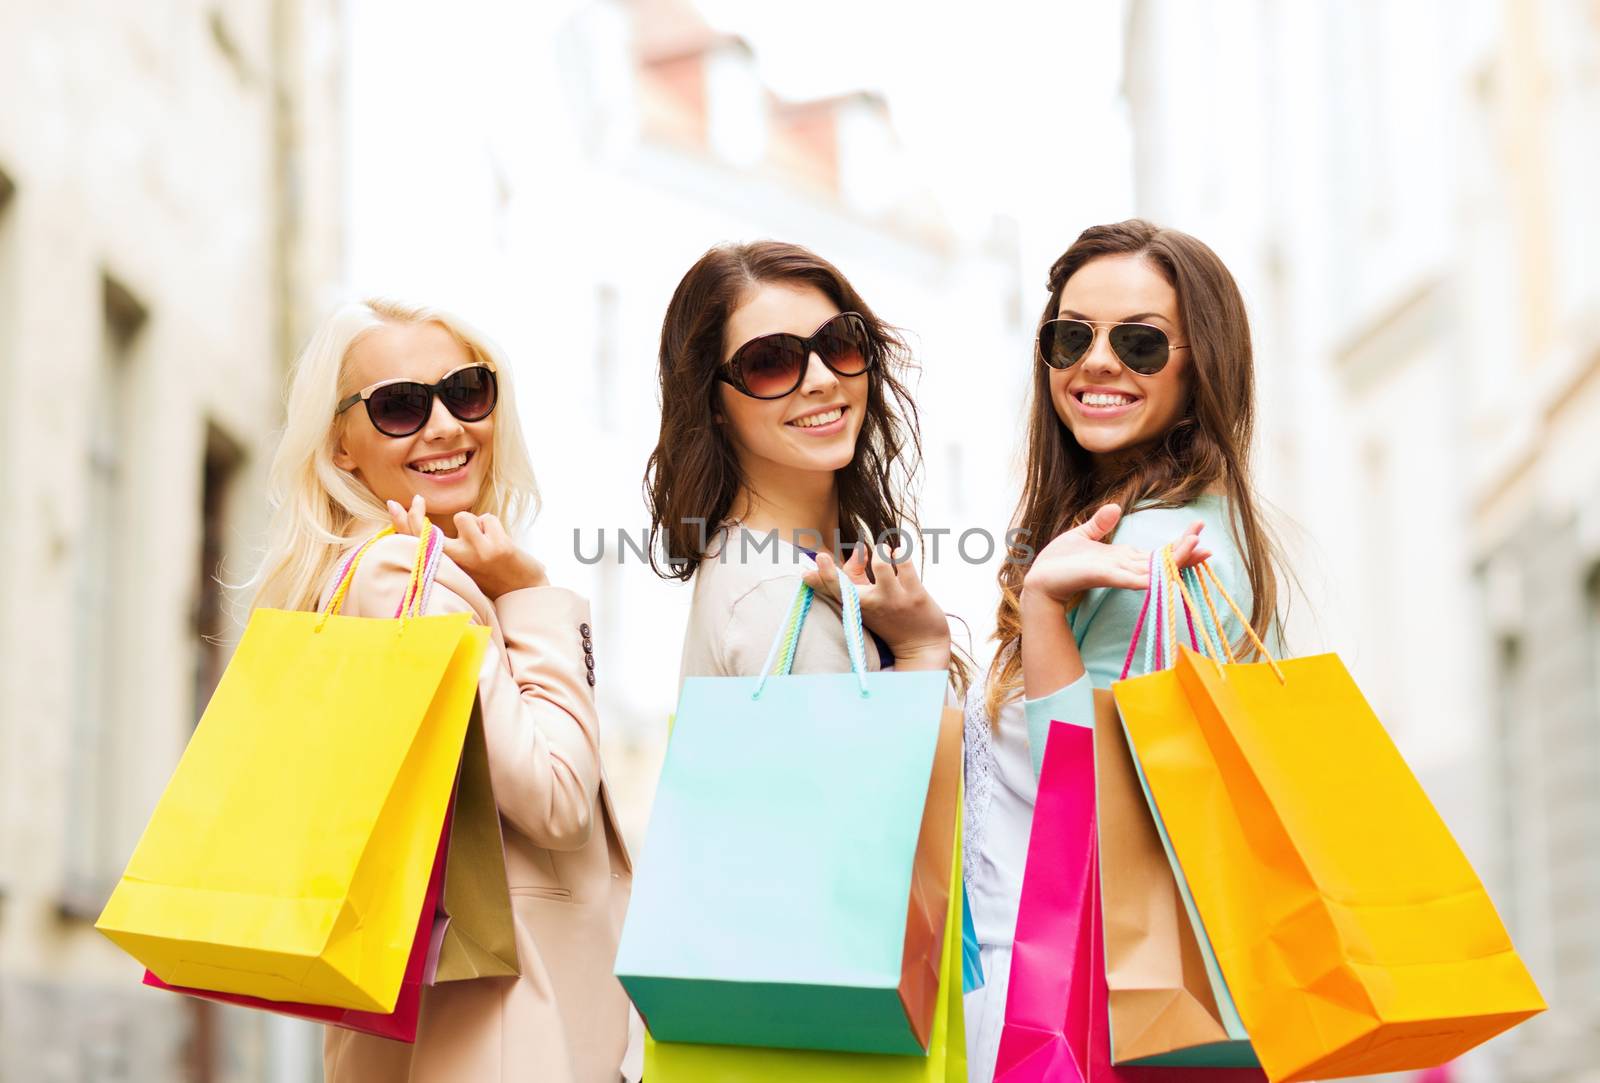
780,657
1202,571
424,566
1159,649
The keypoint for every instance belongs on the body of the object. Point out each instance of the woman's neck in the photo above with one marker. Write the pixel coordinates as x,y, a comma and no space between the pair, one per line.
801,506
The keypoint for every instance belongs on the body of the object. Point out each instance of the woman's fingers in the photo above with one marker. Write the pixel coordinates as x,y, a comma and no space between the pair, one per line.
856,566
824,578
1101,523
397,517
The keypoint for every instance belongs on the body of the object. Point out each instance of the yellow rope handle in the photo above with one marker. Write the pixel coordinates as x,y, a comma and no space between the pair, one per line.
1205,570
1170,568
413,605
1216,619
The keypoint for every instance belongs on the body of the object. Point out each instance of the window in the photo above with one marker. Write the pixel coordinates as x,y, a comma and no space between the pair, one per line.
223,458
90,867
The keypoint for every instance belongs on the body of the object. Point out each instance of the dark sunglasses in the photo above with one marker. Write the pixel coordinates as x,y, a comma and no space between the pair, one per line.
772,366
402,407
1140,346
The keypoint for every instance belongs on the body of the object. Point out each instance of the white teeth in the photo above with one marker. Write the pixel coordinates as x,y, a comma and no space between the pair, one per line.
1095,399
439,466
819,419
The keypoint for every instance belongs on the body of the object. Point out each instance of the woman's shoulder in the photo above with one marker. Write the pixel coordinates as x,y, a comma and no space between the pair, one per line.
1149,525
739,560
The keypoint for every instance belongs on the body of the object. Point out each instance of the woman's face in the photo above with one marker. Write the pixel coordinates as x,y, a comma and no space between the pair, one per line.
447,460
1125,410
786,432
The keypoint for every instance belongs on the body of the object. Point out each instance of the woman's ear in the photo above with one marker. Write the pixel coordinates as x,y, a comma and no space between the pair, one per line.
342,458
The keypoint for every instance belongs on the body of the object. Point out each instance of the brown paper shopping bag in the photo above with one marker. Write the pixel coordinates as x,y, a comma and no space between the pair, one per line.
1162,1009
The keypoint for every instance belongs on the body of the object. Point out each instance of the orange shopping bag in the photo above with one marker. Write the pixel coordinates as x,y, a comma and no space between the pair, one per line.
1354,936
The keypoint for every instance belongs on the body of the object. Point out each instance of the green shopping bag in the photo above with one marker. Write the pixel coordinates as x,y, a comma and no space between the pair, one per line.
776,902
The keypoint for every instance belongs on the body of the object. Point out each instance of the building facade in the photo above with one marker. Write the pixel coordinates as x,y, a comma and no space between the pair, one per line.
168,187
1406,194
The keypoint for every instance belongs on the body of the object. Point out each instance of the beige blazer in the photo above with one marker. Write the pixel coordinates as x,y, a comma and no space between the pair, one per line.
566,1018
743,589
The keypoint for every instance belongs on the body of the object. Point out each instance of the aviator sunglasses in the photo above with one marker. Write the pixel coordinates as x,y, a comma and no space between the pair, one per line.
772,366
1141,347
402,407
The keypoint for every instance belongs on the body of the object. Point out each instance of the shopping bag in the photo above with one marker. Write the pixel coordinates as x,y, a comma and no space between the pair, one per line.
1162,1008
474,936
777,901
1098,1039
1354,935
290,853
971,958
945,1062
399,1025
1167,1002
1057,1023
1044,1038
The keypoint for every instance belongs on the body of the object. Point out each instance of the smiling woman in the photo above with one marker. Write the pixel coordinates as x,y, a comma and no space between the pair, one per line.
783,423
398,416
1139,436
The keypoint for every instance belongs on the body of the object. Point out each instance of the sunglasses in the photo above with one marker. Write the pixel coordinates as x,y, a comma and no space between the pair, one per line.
772,366
402,407
1139,346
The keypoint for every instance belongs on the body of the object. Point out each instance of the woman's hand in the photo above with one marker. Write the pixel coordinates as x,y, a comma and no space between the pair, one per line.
1080,559
481,548
897,607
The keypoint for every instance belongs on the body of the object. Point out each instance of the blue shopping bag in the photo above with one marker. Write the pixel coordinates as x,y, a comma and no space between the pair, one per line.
782,898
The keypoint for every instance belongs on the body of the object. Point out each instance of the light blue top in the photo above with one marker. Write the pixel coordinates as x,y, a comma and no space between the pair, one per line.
1103,623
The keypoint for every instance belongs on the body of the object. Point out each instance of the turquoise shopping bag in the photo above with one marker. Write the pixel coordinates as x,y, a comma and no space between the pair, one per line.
779,900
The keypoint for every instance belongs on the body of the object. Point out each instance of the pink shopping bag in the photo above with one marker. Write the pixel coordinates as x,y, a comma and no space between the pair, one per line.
1057,1021
1045,1036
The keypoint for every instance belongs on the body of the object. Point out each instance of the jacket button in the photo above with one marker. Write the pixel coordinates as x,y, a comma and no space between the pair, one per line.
591,678
588,645
583,630
588,660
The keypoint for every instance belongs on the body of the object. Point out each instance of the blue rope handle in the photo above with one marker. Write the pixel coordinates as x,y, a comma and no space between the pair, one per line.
780,656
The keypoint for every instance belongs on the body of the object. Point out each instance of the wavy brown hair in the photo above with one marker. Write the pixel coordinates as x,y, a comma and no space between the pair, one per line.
1210,443
693,473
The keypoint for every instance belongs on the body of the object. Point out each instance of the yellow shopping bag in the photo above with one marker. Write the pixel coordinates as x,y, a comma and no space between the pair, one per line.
289,854
1354,936
945,1062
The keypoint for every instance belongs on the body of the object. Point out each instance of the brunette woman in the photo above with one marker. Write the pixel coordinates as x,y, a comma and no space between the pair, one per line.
1138,436
787,442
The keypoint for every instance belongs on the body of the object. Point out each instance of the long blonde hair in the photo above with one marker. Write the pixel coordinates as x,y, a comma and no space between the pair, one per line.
317,508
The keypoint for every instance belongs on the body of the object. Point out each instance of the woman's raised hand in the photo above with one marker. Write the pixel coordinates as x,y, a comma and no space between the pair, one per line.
897,607
1081,559
482,548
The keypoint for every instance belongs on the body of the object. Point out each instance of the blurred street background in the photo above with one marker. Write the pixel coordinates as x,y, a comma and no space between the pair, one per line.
1408,193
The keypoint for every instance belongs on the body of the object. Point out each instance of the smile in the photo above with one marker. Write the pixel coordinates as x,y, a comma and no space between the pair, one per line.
1105,403
444,465
828,420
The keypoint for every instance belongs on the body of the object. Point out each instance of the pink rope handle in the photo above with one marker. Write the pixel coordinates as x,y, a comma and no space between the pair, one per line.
1133,644
415,590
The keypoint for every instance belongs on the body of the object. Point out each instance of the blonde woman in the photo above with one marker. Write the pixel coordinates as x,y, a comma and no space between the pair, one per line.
400,415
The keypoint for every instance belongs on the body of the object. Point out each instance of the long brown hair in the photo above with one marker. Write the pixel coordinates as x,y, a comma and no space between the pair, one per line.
693,473
1210,443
